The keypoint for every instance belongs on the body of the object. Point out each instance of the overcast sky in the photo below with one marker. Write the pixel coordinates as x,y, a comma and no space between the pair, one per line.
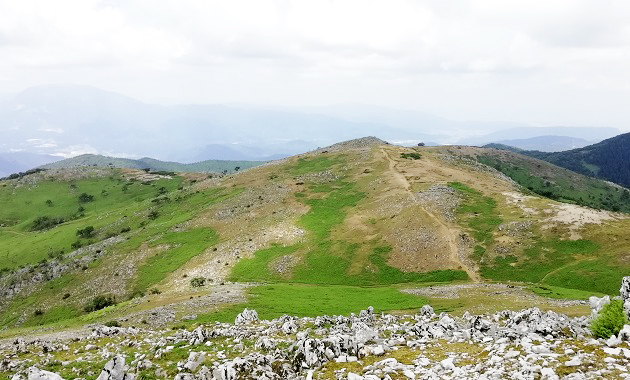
550,62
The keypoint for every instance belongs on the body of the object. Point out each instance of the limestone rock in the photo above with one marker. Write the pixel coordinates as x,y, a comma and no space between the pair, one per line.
35,373
115,370
246,316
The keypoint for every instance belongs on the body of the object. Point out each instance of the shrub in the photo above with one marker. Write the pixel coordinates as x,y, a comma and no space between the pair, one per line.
153,215
45,222
49,203
155,291
66,296
136,294
85,197
113,323
197,282
86,232
100,302
411,156
609,321
76,245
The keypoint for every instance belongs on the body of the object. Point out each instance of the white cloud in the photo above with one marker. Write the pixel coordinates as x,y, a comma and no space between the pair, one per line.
477,59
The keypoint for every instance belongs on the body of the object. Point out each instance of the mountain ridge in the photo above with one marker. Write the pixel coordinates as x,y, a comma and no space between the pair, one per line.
93,160
607,159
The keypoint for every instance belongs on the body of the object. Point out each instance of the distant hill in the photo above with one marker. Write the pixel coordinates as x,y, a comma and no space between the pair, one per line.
503,147
594,134
13,162
547,143
608,159
150,163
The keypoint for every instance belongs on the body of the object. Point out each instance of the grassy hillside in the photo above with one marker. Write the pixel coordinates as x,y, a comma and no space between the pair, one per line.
333,231
606,160
215,166
557,183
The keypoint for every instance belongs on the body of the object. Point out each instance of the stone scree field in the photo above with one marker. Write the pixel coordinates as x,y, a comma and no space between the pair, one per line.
528,344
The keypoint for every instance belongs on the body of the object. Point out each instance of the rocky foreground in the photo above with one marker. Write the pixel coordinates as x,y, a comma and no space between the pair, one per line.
527,344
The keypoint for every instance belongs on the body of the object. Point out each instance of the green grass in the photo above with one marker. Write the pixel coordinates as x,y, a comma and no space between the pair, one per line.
306,165
185,245
108,212
53,315
327,261
323,260
256,268
411,156
327,212
601,274
562,185
558,292
181,206
540,259
479,213
272,301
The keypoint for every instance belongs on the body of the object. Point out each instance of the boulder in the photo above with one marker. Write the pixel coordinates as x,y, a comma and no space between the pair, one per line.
597,304
35,373
289,327
247,316
194,360
427,311
115,369
624,292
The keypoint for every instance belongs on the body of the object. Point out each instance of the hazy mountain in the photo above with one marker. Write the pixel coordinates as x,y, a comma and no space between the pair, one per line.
70,120
14,162
547,143
441,129
593,134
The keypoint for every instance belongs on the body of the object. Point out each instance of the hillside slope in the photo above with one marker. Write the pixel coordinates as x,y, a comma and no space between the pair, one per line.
215,166
342,227
608,159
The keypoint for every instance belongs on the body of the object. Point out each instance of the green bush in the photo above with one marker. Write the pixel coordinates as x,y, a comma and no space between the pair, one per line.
85,197
197,282
609,321
100,302
86,232
45,222
411,156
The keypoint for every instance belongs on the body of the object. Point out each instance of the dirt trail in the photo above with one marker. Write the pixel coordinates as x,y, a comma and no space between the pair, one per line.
447,231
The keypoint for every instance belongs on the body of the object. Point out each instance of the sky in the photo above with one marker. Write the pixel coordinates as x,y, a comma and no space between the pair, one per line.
542,62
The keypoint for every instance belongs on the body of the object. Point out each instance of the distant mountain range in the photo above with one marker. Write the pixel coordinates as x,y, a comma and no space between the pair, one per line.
547,143
592,134
608,159
214,166
69,120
